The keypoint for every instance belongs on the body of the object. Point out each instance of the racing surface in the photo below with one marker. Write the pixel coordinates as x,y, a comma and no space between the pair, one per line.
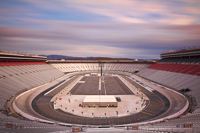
111,85
157,106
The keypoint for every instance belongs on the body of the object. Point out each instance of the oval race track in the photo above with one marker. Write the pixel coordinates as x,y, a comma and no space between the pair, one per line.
160,105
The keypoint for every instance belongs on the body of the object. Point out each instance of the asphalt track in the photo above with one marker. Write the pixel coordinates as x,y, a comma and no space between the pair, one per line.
110,86
156,107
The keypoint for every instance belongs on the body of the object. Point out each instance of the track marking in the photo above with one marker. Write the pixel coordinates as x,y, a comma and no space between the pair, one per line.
57,86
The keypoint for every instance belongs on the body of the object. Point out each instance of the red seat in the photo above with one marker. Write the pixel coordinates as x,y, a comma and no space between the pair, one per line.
193,69
20,63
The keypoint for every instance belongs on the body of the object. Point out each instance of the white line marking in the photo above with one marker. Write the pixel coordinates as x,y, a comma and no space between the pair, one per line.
56,87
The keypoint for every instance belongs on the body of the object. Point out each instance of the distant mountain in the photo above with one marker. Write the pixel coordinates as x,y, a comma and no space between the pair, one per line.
57,57
63,57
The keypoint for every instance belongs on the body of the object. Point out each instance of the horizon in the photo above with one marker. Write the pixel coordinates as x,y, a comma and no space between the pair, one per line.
113,28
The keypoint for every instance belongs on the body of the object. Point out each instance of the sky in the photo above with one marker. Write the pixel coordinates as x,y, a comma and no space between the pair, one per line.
106,28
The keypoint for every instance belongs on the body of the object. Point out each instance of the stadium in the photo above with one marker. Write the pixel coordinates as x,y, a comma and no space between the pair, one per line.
40,95
100,66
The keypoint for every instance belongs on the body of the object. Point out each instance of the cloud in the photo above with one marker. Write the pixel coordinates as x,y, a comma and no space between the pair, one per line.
99,28
126,11
100,40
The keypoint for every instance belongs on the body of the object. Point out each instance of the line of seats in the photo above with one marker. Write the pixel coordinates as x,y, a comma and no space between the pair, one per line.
11,124
193,60
188,123
70,67
26,76
193,69
175,80
20,76
176,76
20,63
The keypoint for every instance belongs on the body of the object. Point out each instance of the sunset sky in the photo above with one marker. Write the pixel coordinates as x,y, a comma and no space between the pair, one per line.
112,28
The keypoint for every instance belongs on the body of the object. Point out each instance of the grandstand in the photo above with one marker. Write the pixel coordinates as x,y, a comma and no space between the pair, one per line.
168,93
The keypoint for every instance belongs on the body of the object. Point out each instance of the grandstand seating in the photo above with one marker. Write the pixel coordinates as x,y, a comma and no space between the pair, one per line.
188,123
14,125
70,67
19,76
176,76
20,63
24,76
191,60
193,69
